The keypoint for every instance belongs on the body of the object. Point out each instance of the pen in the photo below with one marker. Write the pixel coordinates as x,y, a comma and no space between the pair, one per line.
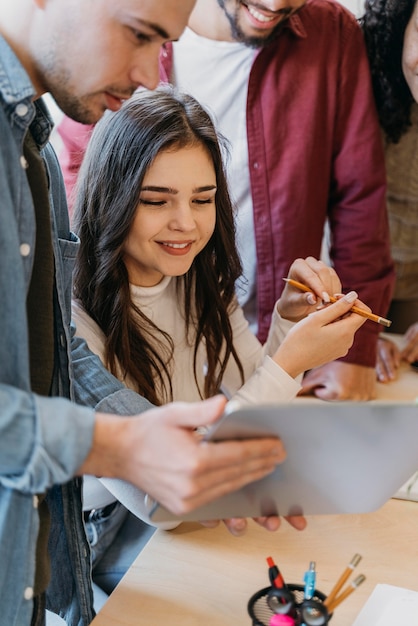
342,579
353,586
370,316
275,577
310,579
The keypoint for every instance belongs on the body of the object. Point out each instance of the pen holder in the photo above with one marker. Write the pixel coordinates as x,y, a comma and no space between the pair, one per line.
261,607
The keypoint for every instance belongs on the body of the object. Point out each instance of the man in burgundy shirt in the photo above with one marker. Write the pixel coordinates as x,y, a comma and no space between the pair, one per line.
290,81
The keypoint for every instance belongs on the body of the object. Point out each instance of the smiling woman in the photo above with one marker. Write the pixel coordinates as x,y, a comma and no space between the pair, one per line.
145,211
158,261
155,276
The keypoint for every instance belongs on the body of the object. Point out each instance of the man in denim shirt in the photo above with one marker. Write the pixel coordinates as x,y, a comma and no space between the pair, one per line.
89,55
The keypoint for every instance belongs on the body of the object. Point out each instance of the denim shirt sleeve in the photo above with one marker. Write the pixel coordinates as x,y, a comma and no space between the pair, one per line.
43,440
95,386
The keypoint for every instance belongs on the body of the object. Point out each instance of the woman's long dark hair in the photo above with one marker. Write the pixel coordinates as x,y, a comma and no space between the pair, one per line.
122,148
384,24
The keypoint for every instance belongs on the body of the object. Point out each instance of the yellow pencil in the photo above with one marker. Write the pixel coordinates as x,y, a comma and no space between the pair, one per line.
353,586
370,316
342,579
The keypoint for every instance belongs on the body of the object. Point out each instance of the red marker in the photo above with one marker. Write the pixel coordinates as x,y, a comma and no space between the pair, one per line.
276,579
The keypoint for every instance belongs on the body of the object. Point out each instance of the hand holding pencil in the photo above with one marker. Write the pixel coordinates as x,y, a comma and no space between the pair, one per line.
322,282
316,279
325,335
355,309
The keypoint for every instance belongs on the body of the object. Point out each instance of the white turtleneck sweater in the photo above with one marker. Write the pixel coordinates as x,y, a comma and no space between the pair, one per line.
265,381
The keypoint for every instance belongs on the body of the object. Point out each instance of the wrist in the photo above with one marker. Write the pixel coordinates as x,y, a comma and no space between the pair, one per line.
108,447
287,361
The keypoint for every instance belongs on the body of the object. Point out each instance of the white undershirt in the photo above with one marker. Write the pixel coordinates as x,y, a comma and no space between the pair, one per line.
216,74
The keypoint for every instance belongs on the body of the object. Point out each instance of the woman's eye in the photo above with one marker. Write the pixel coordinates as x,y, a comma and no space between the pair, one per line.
204,200
151,202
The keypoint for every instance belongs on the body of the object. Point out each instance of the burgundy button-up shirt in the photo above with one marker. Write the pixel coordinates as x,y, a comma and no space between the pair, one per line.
315,152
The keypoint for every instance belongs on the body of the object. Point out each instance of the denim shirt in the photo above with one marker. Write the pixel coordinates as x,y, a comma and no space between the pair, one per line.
43,440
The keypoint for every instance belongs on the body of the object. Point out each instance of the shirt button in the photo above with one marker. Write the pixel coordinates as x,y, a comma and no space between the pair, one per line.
24,163
22,109
35,502
28,593
24,249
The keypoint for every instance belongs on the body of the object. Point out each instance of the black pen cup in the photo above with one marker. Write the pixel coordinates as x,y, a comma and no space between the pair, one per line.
267,602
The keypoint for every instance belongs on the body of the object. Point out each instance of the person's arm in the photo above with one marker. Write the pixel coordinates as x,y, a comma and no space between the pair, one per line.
159,452
264,380
320,338
316,338
156,451
43,440
168,444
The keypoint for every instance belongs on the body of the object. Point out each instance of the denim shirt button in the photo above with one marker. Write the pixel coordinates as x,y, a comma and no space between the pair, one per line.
28,593
23,162
24,249
22,109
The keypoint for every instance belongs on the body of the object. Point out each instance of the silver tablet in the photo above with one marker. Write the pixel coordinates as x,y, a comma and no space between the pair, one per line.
342,457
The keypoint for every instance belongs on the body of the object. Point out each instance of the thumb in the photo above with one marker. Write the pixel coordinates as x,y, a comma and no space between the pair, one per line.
194,414
338,308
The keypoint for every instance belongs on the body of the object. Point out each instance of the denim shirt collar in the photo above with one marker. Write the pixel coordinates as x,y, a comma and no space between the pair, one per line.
16,89
41,126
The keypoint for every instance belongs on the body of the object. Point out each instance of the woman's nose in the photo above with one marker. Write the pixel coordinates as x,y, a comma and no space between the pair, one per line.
182,219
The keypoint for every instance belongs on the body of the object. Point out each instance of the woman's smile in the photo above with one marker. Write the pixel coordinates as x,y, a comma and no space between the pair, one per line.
176,248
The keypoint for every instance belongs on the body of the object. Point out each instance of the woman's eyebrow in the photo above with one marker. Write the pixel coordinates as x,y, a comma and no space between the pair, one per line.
204,188
158,189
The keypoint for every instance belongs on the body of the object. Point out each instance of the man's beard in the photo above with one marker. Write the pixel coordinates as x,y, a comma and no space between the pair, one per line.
239,35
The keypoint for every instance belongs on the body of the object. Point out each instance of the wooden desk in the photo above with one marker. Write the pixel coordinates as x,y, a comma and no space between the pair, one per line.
194,576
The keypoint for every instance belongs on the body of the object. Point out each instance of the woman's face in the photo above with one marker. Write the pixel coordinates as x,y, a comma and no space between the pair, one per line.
410,53
175,218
